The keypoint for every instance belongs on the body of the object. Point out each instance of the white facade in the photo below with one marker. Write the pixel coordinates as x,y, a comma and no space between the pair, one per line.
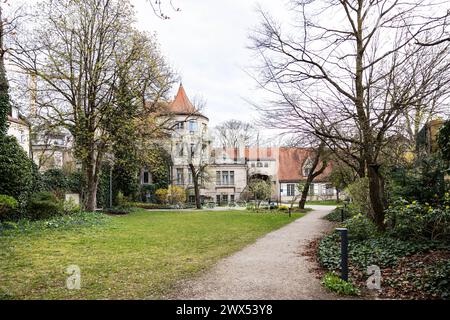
19,129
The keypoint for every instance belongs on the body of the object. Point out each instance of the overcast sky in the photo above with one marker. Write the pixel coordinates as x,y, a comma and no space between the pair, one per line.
206,44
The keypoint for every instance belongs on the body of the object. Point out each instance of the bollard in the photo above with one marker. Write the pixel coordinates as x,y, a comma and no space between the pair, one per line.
289,212
342,214
344,253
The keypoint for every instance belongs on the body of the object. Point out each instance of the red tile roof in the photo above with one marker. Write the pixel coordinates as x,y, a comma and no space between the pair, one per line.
181,104
291,162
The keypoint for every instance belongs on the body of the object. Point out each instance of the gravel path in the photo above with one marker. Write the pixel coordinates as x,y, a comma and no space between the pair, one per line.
271,268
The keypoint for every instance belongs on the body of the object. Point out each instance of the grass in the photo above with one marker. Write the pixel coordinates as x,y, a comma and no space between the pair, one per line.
136,256
323,202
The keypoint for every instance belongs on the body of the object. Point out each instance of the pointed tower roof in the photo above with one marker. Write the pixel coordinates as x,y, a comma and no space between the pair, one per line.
182,105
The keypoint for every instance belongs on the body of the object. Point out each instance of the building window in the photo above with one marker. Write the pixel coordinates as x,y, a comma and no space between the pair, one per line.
311,189
218,199
291,189
180,149
180,176
192,150
232,197
225,178
329,189
225,198
266,164
192,125
253,164
179,125
190,180
232,177
146,177
191,198
218,177
259,164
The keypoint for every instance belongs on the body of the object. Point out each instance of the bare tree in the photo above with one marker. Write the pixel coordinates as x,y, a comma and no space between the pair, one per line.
345,76
78,52
235,133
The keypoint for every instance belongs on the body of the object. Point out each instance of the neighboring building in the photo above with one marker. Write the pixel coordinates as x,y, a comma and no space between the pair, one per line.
53,151
426,141
293,167
19,128
229,170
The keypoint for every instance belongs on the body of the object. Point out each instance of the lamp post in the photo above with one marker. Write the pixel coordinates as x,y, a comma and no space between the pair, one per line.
344,253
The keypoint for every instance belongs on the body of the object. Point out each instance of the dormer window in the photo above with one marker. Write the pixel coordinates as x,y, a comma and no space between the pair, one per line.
307,167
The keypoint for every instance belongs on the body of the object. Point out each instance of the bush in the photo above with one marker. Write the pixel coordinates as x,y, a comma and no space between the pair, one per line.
176,195
44,205
335,215
359,193
118,210
283,207
161,195
16,169
414,220
336,284
70,207
7,206
145,205
55,180
122,201
360,227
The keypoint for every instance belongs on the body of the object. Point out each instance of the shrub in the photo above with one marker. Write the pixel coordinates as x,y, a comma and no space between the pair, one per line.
336,215
161,195
55,180
283,207
70,207
359,193
16,170
336,284
414,220
176,195
146,205
8,206
122,201
44,205
360,227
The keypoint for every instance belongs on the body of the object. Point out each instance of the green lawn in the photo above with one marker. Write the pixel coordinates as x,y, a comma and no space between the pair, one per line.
137,256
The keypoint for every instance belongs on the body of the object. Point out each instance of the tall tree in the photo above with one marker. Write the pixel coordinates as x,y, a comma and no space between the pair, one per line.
235,133
78,52
345,76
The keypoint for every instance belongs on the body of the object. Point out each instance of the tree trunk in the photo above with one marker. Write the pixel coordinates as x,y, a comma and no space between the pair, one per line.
376,194
195,177
337,195
92,169
312,175
305,191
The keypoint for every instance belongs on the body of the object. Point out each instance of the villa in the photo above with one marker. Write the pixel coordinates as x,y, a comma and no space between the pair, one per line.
228,170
